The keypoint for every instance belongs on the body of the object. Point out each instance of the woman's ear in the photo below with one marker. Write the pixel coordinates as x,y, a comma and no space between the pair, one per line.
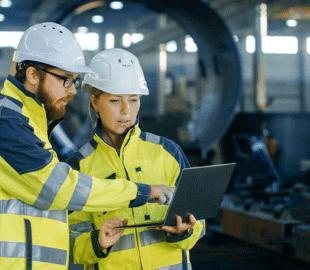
93,102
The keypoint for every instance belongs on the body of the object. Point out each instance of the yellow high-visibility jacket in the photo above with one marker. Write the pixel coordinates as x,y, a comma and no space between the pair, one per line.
36,190
143,158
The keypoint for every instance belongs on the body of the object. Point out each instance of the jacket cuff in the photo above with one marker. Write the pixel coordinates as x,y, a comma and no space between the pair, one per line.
94,235
142,196
180,237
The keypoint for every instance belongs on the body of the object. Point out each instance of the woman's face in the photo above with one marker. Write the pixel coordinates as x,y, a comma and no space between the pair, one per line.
118,113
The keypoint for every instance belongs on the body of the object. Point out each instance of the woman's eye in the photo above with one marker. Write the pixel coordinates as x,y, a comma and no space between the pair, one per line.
114,100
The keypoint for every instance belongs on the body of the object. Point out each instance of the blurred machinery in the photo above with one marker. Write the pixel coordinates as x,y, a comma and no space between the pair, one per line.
193,97
268,202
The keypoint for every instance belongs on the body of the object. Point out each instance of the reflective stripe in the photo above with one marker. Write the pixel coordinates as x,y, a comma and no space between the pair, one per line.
82,227
87,149
152,138
39,254
52,186
152,237
17,207
79,228
175,267
11,105
81,192
125,242
76,230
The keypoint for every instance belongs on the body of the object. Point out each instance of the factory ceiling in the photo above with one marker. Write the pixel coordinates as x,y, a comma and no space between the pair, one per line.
238,14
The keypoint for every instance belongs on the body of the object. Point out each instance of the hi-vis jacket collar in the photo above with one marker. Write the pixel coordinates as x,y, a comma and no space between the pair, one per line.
97,129
21,91
22,88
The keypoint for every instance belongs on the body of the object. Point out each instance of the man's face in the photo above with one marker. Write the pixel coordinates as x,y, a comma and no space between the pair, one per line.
52,93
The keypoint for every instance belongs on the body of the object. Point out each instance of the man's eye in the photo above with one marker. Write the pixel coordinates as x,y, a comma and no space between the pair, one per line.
133,100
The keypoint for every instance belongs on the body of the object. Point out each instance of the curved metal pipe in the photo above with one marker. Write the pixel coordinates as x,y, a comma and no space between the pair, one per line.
217,51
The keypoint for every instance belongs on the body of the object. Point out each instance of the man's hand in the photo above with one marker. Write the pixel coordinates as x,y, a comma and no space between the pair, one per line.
179,227
161,194
108,235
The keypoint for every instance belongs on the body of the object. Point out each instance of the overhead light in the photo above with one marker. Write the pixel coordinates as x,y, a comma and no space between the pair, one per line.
10,38
171,46
5,3
2,17
136,37
190,45
116,5
291,23
235,38
109,41
88,41
126,40
97,19
82,29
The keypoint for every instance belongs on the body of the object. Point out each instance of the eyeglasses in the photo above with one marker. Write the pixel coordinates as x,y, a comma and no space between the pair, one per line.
67,81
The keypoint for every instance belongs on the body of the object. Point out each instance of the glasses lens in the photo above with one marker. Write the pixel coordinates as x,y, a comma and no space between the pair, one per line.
68,82
77,82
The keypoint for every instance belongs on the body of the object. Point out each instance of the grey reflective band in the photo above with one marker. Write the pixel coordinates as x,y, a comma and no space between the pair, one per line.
86,150
152,138
152,237
17,207
125,242
10,104
177,266
39,254
81,192
52,186
83,227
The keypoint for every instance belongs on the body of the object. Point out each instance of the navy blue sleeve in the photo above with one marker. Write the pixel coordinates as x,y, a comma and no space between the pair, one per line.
19,146
176,151
142,196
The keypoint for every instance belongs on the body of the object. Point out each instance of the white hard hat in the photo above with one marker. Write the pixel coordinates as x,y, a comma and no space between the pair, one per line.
116,71
52,44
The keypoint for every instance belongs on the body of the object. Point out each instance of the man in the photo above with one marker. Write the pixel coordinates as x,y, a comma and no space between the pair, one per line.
35,188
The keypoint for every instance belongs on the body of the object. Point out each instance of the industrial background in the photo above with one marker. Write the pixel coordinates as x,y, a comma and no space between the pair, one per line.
229,82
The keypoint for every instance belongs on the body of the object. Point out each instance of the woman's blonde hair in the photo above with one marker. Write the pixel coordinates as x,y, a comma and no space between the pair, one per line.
92,113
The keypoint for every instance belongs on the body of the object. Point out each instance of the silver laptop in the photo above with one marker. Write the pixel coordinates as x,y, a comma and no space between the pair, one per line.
200,192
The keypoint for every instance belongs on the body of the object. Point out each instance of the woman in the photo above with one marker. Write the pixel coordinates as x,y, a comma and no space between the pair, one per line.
120,149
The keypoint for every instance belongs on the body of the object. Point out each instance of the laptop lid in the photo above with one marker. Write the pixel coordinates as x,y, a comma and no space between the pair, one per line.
200,192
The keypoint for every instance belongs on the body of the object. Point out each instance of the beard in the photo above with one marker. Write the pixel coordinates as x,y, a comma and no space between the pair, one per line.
55,109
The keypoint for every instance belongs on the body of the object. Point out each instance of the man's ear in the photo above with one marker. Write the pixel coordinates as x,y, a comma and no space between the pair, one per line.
32,76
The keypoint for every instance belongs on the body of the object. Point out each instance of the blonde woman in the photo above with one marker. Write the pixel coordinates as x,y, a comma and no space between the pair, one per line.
119,149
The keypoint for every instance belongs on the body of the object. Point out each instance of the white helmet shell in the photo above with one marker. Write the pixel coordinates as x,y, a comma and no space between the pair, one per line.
52,44
116,71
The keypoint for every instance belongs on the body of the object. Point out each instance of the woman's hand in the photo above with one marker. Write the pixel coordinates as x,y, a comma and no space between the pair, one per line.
108,234
179,227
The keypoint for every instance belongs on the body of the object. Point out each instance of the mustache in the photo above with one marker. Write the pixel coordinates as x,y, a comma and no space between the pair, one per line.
67,99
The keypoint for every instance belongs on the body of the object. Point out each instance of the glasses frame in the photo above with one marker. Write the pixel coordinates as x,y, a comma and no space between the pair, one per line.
77,82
